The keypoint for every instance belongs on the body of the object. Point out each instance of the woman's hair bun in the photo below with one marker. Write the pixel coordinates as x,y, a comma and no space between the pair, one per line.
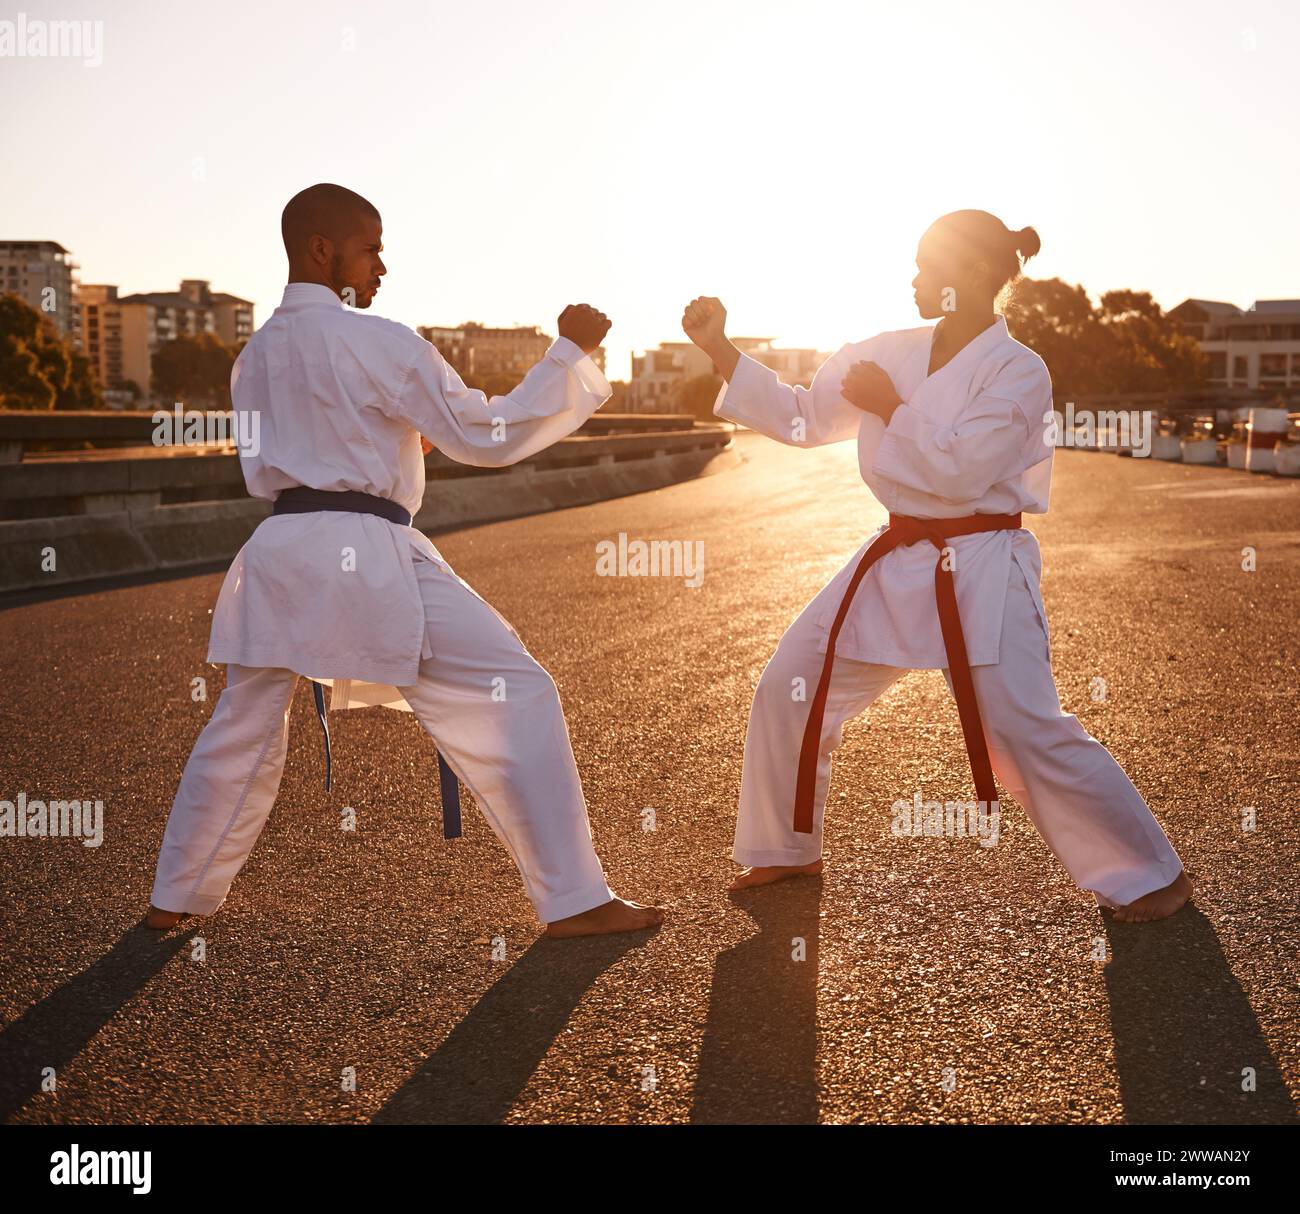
1026,242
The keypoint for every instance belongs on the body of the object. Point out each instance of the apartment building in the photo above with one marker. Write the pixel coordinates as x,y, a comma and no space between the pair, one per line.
1258,347
43,274
658,375
479,351
101,333
148,319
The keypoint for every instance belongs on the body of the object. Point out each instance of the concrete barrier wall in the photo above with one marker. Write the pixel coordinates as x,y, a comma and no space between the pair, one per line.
97,482
23,430
142,534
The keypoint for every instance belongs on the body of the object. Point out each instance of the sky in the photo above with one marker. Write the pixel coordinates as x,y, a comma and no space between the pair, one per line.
783,157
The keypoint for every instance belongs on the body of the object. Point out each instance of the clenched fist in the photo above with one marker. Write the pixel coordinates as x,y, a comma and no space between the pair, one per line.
705,322
868,386
584,326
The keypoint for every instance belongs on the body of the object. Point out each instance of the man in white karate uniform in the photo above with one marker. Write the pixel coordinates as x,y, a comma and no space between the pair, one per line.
952,425
342,589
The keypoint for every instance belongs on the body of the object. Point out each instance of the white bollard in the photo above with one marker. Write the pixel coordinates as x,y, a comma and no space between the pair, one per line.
1286,459
1166,446
1200,451
1265,429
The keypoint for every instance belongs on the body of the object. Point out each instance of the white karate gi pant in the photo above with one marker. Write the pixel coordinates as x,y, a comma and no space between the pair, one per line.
1085,807
512,751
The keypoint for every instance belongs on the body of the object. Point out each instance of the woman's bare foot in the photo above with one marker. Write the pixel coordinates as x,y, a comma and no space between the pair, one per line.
160,919
748,877
1158,904
616,915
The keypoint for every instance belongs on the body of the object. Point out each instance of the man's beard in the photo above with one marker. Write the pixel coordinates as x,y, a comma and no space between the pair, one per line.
349,293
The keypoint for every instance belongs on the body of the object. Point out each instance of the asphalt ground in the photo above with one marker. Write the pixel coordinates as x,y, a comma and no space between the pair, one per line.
943,981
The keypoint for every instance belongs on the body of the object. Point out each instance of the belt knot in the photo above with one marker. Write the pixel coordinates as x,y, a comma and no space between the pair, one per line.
913,530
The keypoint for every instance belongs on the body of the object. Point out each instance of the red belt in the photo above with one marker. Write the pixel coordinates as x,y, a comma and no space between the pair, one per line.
904,530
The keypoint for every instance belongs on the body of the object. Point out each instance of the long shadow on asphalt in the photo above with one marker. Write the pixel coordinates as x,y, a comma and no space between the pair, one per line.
1184,1030
759,1053
477,1074
54,1031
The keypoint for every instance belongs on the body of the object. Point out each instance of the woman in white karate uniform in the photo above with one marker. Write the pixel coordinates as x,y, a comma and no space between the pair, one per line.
953,423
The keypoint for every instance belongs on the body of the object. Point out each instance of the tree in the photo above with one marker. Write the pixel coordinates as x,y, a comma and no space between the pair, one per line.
1126,344
82,391
193,370
696,396
38,369
1151,352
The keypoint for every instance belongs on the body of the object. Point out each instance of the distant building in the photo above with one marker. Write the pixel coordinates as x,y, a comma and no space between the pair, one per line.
1257,348
659,374
234,316
150,318
478,351
101,333
42,273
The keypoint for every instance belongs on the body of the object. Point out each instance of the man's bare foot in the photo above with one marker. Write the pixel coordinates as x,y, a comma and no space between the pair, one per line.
748,877
160,919
616,915
1158,904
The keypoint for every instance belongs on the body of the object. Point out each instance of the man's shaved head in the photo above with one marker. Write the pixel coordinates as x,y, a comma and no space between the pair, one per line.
332,211
334,236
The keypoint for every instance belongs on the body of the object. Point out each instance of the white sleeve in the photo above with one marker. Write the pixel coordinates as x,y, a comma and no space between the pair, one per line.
557,395
796,416
996,437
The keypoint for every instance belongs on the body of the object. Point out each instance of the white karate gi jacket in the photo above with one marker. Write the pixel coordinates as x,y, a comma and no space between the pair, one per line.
343,398
973,438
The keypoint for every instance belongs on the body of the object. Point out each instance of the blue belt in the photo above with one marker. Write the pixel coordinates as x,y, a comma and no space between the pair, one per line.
301,500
